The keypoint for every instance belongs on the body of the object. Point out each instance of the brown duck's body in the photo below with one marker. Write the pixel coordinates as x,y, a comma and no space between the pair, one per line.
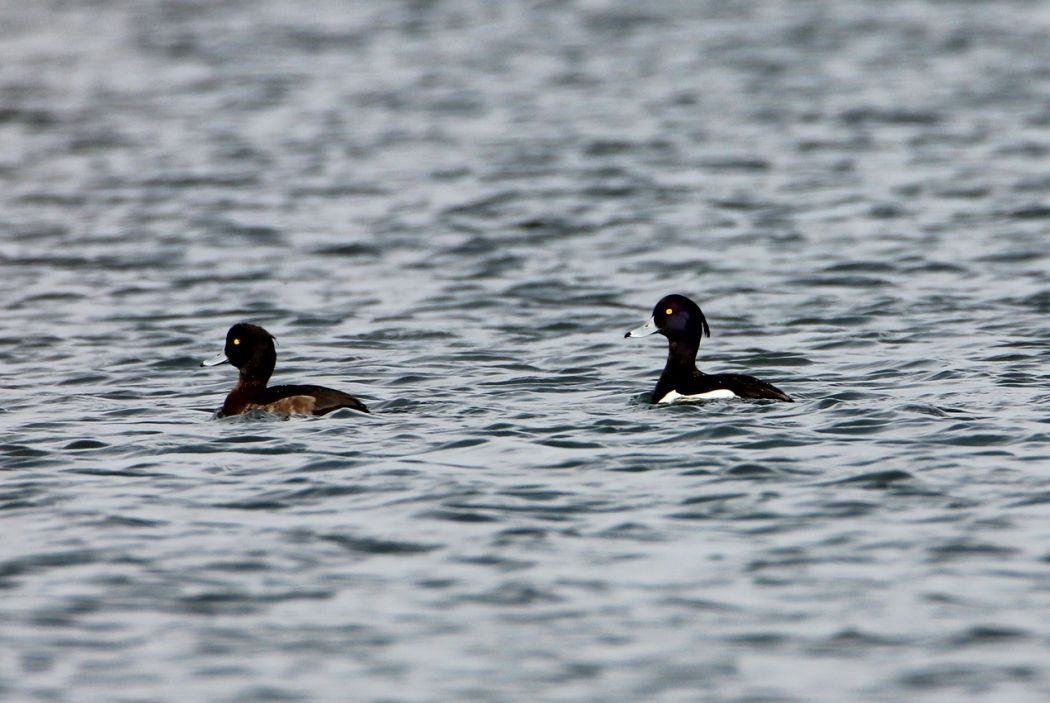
290,400
250,348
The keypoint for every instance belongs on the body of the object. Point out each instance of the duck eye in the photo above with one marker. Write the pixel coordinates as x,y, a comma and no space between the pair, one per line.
236,342
668,311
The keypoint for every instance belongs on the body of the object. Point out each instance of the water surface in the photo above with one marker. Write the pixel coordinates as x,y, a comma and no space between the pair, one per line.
454,210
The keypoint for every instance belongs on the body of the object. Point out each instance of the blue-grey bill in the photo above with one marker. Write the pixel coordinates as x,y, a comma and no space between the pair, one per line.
645,330
215,360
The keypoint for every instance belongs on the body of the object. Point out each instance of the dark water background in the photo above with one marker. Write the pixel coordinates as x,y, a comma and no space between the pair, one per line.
455,209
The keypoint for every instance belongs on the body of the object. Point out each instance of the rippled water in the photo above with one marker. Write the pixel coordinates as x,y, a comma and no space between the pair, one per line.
454,210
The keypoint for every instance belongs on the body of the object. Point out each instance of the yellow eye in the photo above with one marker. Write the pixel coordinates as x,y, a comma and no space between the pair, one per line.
236,342
668,311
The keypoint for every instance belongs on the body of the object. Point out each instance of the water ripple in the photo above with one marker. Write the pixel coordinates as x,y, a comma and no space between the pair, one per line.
455,209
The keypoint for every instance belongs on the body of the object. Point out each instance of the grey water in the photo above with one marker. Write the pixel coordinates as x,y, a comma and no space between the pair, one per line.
454,209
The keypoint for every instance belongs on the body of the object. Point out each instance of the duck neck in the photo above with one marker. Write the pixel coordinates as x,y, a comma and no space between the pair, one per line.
255,375
252,381
681,356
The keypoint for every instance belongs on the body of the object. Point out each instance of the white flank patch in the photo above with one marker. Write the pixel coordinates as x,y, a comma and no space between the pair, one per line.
674,396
